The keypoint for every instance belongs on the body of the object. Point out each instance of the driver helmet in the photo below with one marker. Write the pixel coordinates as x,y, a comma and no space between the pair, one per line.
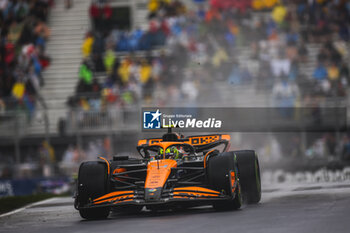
172,153
160,152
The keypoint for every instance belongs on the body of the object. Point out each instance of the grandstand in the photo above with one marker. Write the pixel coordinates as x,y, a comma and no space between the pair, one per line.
109,58
68,28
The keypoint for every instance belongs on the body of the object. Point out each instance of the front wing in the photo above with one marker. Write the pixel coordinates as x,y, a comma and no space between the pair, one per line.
136,197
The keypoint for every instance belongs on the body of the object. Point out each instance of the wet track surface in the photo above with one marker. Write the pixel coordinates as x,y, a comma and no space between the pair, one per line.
299,209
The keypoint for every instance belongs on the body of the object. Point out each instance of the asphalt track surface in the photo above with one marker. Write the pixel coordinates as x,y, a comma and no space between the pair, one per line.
307,208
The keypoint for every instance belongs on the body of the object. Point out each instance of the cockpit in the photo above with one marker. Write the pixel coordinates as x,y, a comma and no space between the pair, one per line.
168,150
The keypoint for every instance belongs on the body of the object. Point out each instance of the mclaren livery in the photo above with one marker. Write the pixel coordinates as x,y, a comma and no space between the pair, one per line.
174,172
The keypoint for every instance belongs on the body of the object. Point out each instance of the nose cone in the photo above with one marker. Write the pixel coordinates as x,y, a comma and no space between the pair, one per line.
158,172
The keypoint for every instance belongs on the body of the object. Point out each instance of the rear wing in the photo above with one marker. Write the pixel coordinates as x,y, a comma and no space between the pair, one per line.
199,142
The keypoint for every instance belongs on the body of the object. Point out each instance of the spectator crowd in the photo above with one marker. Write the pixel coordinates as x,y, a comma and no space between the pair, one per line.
23,37
184,49
281,45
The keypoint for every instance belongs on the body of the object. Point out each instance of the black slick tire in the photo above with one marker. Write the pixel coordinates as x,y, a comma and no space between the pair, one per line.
92,183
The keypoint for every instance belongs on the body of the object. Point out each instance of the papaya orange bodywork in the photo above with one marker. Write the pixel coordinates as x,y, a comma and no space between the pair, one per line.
158,172
226,137
205,158
111,197
106,161
197,189
113,194
142,142
116,199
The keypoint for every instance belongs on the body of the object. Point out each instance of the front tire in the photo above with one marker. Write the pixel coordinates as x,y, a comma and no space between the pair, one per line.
92,183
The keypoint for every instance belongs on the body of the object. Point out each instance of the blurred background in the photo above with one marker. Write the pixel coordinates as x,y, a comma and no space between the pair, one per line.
74,75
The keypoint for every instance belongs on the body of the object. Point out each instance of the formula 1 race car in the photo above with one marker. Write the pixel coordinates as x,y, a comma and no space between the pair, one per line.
174,172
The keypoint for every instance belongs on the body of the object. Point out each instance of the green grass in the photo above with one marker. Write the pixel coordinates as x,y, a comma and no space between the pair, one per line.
11,203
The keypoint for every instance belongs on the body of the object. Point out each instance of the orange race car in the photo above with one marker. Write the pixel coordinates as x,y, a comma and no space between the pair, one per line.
174,172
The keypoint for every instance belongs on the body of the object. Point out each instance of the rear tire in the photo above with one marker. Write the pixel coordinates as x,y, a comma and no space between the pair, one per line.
249,175
92,183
